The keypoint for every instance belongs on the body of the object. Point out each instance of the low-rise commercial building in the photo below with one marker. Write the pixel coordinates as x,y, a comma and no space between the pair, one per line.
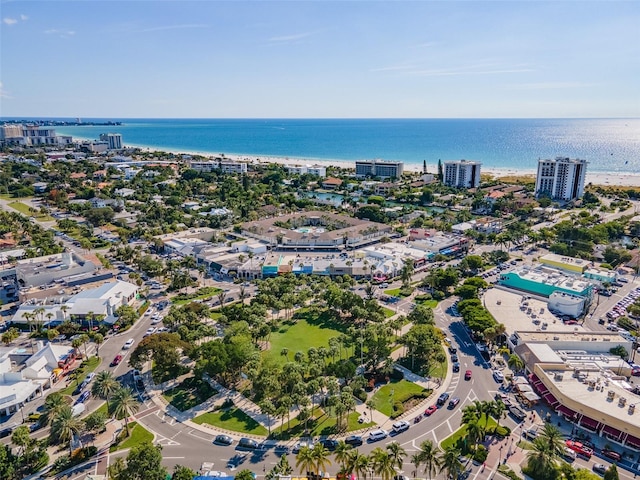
562,262
544,282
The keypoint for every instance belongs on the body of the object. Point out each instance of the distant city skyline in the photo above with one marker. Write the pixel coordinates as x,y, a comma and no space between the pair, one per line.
209,59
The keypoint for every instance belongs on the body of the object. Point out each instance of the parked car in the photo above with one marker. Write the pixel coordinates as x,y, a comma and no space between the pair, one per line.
612,454
453,350
84,397
498,376
248,444
300,445
453,403
353,440
531,434
430,410
599,468
569,454
377,435
116,360
519,414
401,426
456,367
330,444
454,358
442,399
223,440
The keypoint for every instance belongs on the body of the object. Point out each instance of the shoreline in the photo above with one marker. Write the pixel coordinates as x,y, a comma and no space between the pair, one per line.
605,179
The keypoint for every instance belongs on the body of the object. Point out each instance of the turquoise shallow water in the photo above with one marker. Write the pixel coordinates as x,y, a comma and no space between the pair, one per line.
610,145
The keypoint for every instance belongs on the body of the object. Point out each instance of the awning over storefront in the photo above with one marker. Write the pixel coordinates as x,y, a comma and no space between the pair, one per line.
550,399
633,442
567,412
589,423
612,432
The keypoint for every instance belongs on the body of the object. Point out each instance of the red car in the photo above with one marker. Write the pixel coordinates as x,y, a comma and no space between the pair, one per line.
467,375
431,410
579,448
116,360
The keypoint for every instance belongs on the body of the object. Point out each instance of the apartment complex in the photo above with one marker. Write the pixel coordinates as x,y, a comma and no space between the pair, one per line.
218,164
317,170
31,135
562,178
114,140
462,173
379,168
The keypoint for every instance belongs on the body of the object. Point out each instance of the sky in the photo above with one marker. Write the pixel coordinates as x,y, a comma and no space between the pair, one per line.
320,59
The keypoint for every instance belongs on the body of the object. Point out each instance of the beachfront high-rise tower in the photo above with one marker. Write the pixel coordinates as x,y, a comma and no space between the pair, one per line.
379,168
462,173
114,140
562,178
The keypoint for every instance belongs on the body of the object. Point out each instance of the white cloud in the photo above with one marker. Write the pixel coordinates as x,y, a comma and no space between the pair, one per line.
291,38
60,33
23,17
3,93
9,21
175,27
550,85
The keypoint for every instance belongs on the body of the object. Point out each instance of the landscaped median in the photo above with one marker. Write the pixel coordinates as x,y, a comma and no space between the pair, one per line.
398,396
190,393
459,438
229,417
203,293
138,435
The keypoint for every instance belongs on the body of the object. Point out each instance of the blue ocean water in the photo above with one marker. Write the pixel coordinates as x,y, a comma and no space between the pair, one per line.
610,145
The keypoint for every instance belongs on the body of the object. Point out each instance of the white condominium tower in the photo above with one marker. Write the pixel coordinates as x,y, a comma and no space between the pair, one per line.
562,178
462,173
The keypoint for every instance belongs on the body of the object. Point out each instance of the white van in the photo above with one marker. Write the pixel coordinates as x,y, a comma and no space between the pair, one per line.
78,409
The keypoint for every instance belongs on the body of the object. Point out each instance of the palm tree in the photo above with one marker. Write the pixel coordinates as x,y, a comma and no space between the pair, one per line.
305,460
416,461
64,426
320,455
105,385
125,405
382,463
515,363
358,463
553,438
407,271
342,452
450,463
429,457
541,459
470,413
53,405
397,453
497,409
475,434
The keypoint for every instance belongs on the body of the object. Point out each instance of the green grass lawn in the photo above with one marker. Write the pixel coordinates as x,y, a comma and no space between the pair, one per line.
322,424
394,292
462,433
189,393
440,369
401,389
232,419
429,303
24,209
137,434
203,293
387,312
308,330
90,366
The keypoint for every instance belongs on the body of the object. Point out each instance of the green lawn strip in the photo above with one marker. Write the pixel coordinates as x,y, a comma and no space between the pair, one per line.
387,312
321,424
232,419
429,303
25,210
210,293
90,366
394,292
461,433
189,393
440,369
137,435
402,390
307,330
